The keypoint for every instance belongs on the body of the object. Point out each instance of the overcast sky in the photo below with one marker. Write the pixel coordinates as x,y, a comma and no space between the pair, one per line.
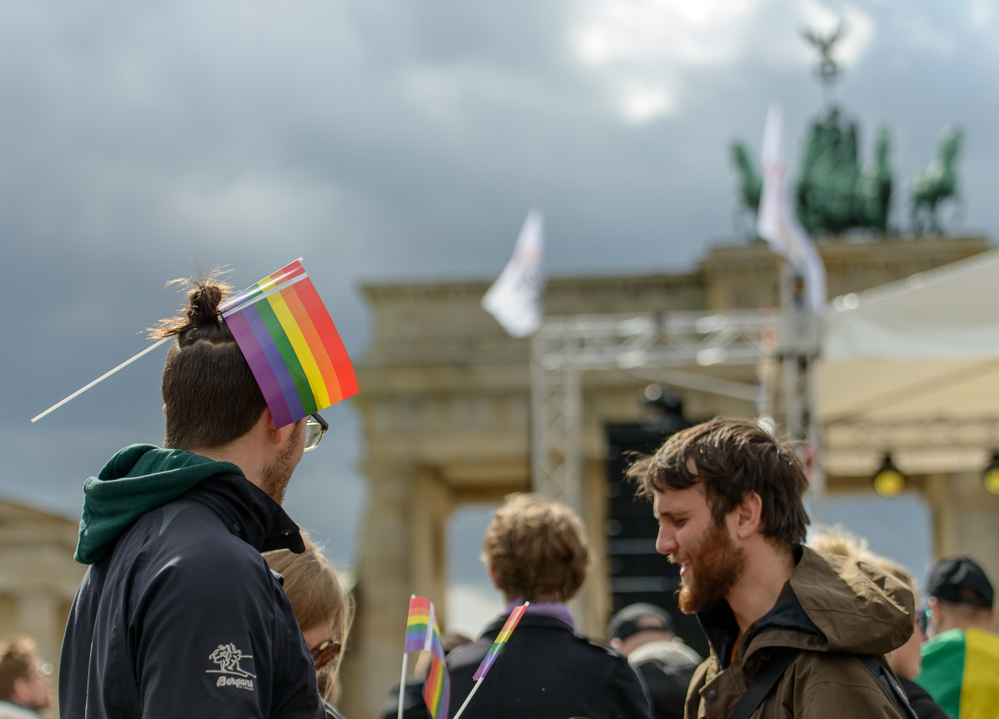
390,140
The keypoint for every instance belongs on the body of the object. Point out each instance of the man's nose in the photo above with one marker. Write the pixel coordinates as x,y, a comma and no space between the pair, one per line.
665,541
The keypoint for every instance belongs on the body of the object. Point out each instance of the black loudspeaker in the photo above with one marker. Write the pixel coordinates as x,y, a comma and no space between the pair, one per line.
638,573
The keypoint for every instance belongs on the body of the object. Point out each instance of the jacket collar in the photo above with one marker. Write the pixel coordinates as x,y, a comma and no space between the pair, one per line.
248,512
528,620
787,614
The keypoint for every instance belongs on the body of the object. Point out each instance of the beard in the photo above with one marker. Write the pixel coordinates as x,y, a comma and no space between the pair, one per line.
275,476
715,566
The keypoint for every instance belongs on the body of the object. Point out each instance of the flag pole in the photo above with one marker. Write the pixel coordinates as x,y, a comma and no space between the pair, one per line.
471,694
511,622
402,679
402,683
102,378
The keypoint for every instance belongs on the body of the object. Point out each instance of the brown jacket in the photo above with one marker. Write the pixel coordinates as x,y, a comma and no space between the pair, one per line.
832,608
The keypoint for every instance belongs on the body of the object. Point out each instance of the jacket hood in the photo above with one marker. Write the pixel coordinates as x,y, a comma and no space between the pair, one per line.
830,604
858,608
139,478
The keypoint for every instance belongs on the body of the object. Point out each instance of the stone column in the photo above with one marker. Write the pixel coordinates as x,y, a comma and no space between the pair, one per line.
374,652
431,505
402,552
37,617
937,489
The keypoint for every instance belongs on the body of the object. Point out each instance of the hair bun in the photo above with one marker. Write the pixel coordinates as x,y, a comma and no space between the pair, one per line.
201,318
205,299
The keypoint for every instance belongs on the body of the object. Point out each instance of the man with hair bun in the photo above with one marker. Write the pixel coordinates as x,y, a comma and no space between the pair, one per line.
792,632
178,615
535,551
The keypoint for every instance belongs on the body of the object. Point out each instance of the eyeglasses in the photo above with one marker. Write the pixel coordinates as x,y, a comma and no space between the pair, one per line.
325,653
315,428
923,620
44,670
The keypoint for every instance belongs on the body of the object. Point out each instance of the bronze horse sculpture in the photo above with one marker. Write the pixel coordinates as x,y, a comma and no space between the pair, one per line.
936,182
750,189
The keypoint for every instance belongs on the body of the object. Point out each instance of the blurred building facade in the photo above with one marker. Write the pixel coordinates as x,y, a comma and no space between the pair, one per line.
444,404
38,577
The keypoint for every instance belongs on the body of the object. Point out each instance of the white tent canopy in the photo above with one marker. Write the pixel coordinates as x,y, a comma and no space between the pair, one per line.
912,367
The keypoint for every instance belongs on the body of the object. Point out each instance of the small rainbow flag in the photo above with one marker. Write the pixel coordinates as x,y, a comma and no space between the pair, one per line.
501,640
423,634
291,344
421,619
437,690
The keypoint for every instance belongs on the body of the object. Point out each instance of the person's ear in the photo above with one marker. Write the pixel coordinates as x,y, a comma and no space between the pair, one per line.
19,689
491,571
748,515
164,409
936,613
275,435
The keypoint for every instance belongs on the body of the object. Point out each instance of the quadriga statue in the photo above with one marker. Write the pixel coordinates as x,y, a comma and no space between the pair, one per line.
833,193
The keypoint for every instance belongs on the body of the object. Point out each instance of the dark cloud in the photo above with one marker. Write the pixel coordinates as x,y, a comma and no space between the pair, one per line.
387,140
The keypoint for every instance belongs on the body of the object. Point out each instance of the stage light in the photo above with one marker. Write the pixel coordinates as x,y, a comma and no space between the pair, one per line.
888,481
990,477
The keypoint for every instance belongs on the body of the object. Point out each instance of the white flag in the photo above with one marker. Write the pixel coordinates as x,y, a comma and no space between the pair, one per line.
516,298
776,223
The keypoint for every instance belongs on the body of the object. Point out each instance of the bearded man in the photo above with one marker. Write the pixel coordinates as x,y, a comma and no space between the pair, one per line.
178,614
792,632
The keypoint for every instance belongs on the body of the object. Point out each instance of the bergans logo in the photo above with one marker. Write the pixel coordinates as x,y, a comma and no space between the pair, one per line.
228,657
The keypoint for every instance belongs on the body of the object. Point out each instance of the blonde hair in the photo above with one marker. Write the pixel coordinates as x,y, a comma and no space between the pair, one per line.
840,542
536,548
315,593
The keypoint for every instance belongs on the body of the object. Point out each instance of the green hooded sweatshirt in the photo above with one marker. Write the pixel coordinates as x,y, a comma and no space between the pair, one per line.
139,478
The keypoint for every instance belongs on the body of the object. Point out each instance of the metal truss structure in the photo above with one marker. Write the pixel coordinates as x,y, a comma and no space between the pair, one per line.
565,347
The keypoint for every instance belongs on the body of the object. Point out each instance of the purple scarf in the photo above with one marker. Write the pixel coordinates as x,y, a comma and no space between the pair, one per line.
546,609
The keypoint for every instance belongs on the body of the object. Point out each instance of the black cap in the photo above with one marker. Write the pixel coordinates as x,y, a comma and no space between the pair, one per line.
960,580
640,617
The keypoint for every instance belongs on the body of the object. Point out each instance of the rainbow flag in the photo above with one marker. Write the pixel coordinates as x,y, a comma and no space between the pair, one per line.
961,673
291,344
501,640
423,634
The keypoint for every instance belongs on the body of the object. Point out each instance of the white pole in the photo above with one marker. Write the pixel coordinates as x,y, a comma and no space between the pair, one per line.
402,682
102,378
469,697
405,660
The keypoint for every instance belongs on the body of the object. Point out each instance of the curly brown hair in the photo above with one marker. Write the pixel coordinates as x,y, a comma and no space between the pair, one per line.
537,549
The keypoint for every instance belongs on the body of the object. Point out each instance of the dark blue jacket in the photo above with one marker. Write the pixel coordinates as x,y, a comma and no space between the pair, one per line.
181,618
546,671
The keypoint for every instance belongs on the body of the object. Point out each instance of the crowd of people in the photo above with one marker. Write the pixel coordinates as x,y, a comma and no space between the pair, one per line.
204,599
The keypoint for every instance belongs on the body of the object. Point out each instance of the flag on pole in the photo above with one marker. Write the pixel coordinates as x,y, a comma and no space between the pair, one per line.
423,634
291,344
516,298
501,640
775,222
